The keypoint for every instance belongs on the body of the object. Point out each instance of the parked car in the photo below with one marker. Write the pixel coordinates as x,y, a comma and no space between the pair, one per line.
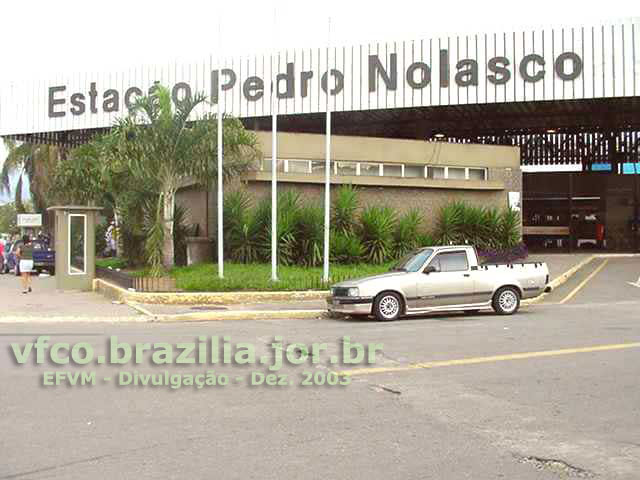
437,279
44,257
9,258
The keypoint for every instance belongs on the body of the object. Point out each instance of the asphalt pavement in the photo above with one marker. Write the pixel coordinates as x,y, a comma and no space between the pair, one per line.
549,393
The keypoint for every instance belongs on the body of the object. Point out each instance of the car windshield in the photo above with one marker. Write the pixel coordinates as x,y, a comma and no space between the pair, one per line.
413,261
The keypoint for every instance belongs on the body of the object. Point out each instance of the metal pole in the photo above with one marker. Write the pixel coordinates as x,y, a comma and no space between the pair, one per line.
220,153
274,161
571,232
635,225
327,169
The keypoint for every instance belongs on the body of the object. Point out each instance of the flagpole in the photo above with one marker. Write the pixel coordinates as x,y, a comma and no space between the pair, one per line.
274,160
327,168
220,154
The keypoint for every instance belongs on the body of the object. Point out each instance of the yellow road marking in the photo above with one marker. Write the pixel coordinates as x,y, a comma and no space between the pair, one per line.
584,282
493,358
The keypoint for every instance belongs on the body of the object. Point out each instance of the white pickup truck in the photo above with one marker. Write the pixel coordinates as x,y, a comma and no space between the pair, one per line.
435,279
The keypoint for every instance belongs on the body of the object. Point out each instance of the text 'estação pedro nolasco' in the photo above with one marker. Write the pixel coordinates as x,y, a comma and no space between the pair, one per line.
532,68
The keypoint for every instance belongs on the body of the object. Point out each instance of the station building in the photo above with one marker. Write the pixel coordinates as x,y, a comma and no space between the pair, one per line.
415,122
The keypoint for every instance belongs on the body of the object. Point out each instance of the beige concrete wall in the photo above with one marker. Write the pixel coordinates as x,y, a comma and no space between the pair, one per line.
195,201
502,163
368,149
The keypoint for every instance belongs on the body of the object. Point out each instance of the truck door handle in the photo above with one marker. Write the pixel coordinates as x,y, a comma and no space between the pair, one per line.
467,274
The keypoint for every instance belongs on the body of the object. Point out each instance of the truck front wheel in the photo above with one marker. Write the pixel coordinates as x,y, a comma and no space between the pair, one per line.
506,301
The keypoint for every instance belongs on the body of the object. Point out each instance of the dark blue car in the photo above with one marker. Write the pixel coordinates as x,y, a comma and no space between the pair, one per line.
44,258
9,258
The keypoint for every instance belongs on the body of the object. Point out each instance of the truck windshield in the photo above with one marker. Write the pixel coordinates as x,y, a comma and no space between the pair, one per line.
413,261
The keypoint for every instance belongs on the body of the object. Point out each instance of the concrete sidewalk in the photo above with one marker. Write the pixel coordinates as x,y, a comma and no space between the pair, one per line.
46,302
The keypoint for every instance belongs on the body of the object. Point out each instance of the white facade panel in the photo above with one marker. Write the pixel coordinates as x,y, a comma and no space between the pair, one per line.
607,58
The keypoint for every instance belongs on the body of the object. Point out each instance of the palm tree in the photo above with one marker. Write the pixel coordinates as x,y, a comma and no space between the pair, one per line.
164,148
37,162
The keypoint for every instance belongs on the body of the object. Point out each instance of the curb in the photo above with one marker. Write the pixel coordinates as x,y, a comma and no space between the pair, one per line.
187,317
241,315
115,292
69,319
556,282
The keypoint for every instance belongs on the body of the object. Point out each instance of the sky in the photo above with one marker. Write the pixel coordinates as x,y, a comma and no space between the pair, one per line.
41,38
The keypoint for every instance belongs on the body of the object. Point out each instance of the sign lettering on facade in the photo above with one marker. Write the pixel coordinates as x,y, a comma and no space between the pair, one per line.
552,64
532,68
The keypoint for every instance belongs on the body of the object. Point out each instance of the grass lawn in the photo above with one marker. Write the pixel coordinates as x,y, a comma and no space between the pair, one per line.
111,263
257,277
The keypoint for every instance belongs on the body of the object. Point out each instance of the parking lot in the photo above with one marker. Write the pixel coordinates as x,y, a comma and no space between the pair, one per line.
551,392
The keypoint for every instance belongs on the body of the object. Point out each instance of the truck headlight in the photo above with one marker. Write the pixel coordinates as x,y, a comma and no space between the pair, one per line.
353,292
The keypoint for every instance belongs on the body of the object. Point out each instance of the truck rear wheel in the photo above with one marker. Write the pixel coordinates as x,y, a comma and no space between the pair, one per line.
387,306
506,301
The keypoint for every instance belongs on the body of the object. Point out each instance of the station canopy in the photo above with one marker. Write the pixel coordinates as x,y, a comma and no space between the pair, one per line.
565,96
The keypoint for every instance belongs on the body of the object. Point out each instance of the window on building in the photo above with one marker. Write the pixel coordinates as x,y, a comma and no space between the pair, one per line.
317,167
266,165
414,171
435,173
346,168
370,169
391,170
298,166
477,174
456,173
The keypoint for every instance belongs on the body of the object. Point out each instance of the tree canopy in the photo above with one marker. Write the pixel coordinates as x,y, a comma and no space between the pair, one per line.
137,168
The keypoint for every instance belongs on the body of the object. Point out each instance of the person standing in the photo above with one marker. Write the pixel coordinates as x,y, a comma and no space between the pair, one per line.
109,237
24,255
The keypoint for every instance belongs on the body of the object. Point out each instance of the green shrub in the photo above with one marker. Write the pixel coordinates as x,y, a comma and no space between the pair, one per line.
235,213
346,248
288,214
310,235
509,229
472,227
112,262
424,240
449,223
242,228
377,237
405,236
344,209
377,225
491,227
486,228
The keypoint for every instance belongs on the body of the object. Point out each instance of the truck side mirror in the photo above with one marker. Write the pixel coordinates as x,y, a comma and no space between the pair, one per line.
430,269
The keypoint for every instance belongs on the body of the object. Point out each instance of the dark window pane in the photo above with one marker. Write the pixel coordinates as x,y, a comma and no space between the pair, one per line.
453,262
